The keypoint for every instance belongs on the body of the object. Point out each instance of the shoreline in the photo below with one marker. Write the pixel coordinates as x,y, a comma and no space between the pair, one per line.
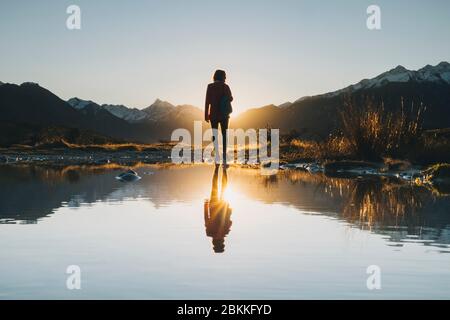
160,153
438,174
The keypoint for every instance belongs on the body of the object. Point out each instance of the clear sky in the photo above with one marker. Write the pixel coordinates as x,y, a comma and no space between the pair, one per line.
132,52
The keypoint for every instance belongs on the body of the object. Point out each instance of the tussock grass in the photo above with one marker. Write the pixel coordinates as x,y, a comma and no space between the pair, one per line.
371,133
374,133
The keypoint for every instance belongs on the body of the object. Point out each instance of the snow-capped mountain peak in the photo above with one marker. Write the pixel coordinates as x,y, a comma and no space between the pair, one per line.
437,74
128,114
159,110
78,103
441,72
120,111
398,69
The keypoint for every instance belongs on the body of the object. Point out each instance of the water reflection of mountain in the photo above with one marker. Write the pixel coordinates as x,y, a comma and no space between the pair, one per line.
29,193
32,192
401,212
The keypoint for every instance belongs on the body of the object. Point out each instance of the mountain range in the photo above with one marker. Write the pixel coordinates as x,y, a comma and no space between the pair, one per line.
157,111
317,116
28,108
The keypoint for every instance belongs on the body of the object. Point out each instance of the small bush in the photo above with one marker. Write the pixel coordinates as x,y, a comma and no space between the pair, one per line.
374,133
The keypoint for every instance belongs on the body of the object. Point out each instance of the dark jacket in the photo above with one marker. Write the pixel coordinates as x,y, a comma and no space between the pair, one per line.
214,93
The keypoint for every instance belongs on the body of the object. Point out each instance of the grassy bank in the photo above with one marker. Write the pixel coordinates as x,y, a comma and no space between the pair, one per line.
370,133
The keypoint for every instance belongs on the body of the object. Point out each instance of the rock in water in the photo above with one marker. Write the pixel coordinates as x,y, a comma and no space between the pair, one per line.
128,176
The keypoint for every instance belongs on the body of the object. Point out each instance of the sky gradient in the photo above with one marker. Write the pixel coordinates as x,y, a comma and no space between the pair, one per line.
132,52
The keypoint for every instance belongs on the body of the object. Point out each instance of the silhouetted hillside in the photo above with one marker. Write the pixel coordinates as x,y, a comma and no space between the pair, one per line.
318,116
31,106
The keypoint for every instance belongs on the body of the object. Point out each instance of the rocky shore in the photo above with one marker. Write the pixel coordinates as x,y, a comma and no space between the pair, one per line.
75,157
436,175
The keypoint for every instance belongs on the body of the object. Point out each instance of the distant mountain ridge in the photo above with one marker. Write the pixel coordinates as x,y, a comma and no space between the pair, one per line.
437,74
28,104
79,103
29,109
119,111
314,117
158,111
317,116
127,114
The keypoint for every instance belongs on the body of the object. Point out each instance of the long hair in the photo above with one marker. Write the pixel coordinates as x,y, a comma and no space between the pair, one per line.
219,75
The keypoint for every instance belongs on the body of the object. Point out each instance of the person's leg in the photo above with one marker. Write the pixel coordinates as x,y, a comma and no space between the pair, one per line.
215,127
223,128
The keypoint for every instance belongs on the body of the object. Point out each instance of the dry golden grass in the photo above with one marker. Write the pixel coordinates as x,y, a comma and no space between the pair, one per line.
112,147
374,133
333,148
369,132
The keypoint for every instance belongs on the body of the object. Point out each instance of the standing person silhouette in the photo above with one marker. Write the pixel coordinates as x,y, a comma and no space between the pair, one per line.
217,212
217,111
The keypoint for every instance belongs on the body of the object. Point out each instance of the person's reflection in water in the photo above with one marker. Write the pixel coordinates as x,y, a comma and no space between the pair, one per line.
217,212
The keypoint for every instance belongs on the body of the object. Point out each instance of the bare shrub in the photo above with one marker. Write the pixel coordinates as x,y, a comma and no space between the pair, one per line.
373,132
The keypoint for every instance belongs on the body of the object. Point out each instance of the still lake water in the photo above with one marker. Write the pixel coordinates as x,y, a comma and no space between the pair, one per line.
192,233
